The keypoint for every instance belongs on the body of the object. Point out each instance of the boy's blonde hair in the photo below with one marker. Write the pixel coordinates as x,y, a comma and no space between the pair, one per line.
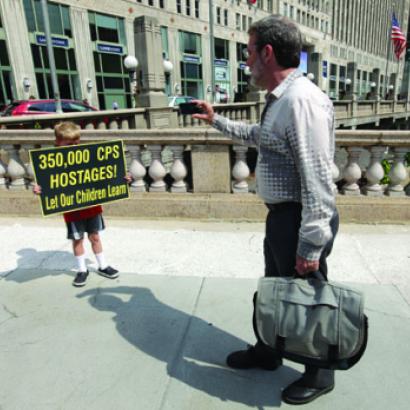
67,130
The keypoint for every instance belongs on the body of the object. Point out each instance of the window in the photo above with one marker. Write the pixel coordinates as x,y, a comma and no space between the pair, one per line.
197,8
218,15
225,17
243,22
179,7
237,21
188,7
106,28
190,43
221,48
150,2
161,4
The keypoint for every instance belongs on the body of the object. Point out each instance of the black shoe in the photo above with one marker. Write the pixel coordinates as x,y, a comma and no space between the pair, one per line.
109,272
80,279
299,393
250,358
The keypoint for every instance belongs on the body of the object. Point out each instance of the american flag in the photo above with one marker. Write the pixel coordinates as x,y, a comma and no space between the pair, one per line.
398,38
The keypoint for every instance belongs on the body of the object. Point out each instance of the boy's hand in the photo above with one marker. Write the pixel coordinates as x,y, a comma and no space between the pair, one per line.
36,189
208,111
128,178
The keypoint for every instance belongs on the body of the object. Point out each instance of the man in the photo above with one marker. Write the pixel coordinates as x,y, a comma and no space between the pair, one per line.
295,142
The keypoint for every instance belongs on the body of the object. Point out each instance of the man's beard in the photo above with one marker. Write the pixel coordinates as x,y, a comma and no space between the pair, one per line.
257,74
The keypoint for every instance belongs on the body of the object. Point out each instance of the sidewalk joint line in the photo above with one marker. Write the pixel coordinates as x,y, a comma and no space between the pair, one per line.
174,361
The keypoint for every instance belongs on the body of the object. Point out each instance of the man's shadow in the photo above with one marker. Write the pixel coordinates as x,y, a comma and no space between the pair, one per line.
193,349
33,264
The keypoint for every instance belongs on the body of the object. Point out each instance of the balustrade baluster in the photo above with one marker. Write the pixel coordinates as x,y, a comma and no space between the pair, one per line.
398,172
335,177
16,170
3,170
240,170
352,172
157,170
102,125
374,172
113,125
89,126
125,124
178,169
29,167
137,169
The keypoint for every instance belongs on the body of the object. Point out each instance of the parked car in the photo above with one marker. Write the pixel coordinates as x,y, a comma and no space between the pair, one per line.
175,100
34,107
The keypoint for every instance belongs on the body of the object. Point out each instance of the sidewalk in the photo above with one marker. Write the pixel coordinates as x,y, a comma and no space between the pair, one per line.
157,337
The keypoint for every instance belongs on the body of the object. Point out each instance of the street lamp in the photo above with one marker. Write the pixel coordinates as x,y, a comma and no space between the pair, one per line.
168,67
310,76
372,84
131,64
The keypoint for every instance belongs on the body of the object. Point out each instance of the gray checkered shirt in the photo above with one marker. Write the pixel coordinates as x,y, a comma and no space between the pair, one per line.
295,142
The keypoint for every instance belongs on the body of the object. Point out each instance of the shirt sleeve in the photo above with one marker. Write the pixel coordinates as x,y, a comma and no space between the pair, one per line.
309,132
238,131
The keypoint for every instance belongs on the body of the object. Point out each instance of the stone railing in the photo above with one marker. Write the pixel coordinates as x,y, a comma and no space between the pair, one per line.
348,114
201,160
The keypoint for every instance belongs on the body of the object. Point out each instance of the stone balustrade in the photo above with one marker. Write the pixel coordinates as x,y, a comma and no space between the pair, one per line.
348,113
202,160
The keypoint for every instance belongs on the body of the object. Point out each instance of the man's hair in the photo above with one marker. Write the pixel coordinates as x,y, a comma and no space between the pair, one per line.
67,130
284,37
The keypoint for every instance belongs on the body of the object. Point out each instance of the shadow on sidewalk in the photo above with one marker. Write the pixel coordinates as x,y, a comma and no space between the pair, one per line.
33,264
193,349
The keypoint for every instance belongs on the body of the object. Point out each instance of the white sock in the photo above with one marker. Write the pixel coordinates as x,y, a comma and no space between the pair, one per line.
82,267
101,260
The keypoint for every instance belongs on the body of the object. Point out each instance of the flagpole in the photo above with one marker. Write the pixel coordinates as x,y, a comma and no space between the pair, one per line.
387,56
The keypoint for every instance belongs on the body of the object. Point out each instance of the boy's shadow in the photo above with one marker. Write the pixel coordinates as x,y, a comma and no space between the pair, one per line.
193,349
33,264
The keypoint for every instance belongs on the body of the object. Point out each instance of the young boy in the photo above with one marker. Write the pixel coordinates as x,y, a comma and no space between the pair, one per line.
88,220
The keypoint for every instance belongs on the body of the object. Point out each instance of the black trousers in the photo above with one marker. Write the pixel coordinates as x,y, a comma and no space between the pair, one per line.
280,245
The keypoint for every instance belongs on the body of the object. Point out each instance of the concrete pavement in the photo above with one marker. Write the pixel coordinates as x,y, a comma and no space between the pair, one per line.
157,337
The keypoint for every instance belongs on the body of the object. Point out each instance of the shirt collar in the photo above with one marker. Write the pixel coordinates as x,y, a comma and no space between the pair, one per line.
283,86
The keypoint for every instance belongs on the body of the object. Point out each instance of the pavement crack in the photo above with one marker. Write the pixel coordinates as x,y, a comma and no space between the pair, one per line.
10,312
387,314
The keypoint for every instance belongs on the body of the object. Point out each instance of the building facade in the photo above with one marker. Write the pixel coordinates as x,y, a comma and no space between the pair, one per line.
346,47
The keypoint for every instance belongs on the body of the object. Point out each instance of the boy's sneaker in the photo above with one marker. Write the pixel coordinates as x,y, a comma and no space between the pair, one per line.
109,272
80,279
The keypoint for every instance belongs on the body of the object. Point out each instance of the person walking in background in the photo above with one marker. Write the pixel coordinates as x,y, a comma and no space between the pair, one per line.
295,141
88,220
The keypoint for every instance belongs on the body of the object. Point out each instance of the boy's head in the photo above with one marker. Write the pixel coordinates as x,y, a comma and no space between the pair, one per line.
67,133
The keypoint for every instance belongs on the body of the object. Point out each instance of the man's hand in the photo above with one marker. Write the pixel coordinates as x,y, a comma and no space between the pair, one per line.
208,114
303,266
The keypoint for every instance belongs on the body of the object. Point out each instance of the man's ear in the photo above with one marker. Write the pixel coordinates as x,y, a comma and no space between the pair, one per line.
267,53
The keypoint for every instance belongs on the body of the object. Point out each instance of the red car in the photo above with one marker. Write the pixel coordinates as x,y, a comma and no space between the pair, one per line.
34,107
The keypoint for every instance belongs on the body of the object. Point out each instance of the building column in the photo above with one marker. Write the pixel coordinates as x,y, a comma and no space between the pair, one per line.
84,54
148,50
21,61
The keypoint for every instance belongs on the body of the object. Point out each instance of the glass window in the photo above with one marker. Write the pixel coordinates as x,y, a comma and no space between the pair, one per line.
113,82
221,48
54,16
197,8
164,41
4,58
106,28
218,15
179,7
29,12
188,7
66,21
226,17
111,63
190,43
60,58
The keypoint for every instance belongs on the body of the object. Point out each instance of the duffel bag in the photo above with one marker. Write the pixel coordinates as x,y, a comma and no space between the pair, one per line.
312,321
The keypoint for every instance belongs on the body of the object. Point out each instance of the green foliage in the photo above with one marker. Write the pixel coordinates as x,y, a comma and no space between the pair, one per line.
387,164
